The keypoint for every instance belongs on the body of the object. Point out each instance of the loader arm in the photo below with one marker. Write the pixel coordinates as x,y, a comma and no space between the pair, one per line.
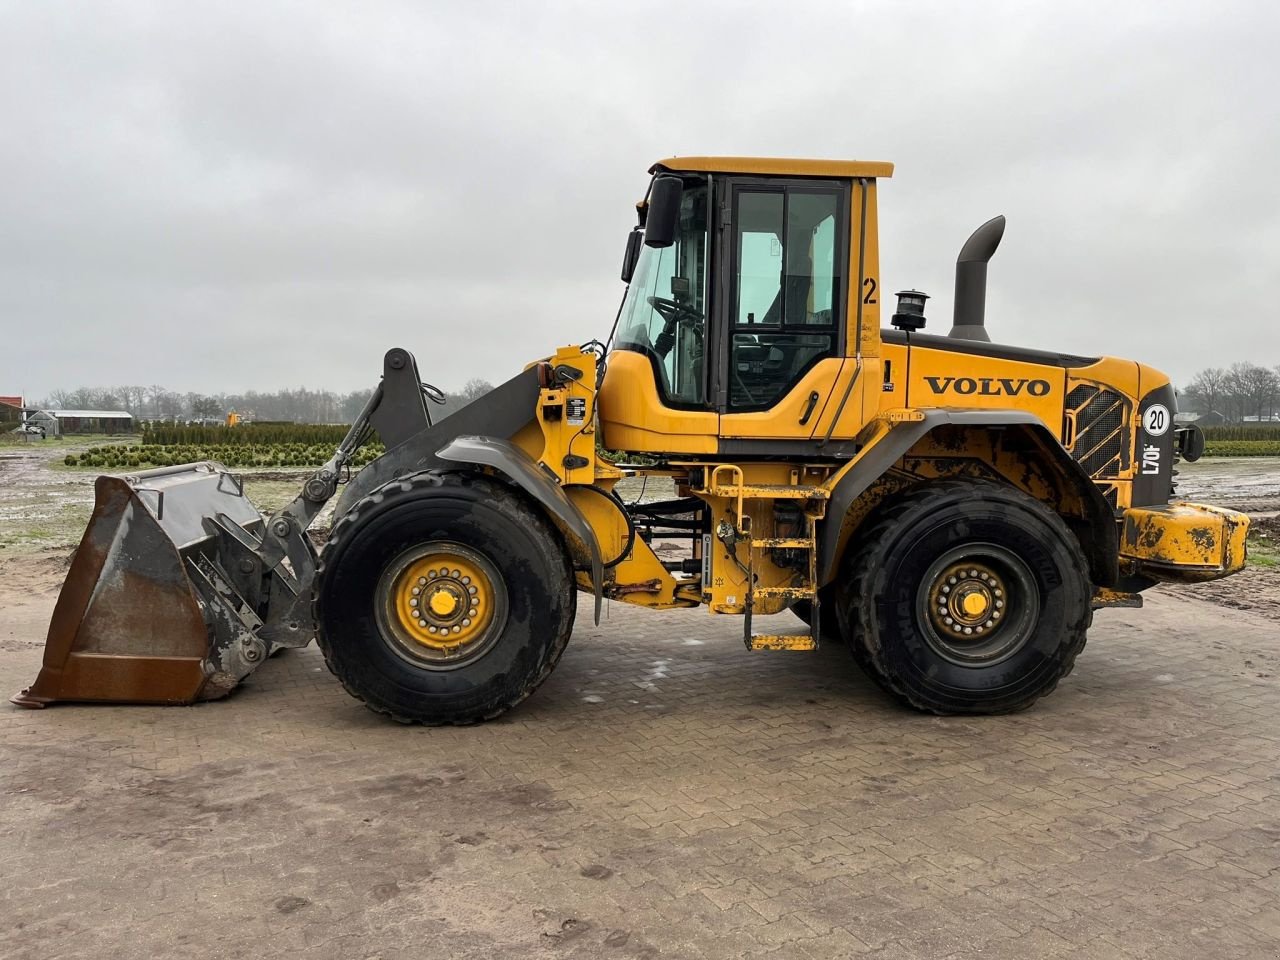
180,588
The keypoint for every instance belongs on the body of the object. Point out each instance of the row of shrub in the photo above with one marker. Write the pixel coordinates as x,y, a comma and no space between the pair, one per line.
242,456
1244,431
167,434
1242,448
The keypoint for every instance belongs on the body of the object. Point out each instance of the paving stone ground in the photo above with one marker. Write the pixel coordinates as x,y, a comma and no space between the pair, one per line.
666,794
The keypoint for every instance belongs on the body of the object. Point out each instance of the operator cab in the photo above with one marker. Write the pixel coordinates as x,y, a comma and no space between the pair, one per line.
735,320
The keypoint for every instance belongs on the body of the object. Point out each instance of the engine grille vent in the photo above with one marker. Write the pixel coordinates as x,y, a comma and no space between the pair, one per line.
1102,440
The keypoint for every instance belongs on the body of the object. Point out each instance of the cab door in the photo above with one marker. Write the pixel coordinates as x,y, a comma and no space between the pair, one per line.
781,314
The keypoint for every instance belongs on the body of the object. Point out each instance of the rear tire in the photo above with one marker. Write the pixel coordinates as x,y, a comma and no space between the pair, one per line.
467,533
967,597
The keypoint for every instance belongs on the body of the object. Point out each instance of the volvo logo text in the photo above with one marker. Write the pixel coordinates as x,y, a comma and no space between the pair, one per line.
988,386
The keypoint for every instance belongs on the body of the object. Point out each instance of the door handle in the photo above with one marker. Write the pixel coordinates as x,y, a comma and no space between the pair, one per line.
808,407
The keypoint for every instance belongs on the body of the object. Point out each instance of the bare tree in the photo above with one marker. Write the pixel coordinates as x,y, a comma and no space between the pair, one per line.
353,403
1207,388
155,392
168,405
131,399
202,407
85,398
1251,388
474,389
1270,391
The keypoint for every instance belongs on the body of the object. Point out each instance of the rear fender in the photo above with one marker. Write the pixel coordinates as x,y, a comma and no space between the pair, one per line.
1099,541
521,469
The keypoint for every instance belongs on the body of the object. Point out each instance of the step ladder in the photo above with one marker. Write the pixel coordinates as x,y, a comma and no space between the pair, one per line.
737,490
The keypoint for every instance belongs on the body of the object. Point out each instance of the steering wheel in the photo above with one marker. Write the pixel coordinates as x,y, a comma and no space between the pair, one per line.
673,311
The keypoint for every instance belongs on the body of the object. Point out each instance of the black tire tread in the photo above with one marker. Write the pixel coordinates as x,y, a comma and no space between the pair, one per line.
404,487
862,565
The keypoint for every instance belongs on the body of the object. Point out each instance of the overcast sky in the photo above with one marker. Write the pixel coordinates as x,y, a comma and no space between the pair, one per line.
229,196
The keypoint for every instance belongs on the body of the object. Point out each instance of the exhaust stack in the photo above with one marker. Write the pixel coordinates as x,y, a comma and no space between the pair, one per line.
971,281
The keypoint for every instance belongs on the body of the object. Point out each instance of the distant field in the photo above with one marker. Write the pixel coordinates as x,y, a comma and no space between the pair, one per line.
1242,448
253,456
1243,440
245,434
1244,431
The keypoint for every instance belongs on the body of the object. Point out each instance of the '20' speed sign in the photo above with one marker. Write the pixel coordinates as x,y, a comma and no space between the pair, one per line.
1155,420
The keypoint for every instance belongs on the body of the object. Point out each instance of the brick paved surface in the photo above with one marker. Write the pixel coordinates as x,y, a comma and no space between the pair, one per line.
665,794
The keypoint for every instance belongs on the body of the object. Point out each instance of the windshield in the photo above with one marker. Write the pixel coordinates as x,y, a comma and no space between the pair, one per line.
664,313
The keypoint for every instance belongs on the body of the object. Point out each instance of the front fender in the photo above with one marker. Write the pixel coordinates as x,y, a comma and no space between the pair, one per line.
522,470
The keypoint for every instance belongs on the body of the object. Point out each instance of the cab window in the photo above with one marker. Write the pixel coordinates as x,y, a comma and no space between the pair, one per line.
787,281
664,313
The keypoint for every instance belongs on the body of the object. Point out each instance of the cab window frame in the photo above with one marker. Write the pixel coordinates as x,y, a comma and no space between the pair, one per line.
727,306
670,399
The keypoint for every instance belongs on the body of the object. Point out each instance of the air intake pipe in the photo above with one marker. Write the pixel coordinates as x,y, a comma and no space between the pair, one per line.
971,281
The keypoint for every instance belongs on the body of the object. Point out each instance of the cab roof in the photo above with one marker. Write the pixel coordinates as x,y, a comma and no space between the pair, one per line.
776,166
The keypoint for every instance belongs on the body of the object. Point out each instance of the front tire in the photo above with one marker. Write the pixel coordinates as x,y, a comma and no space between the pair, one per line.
967,597
443,598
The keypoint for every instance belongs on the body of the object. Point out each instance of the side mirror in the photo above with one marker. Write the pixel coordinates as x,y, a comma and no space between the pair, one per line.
1190,441
664,212
635,239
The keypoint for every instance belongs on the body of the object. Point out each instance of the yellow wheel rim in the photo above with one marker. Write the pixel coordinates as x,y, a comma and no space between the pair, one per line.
978,604
967,600
442,602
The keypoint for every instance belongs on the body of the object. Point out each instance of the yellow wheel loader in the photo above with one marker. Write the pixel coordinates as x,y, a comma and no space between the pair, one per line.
951,509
